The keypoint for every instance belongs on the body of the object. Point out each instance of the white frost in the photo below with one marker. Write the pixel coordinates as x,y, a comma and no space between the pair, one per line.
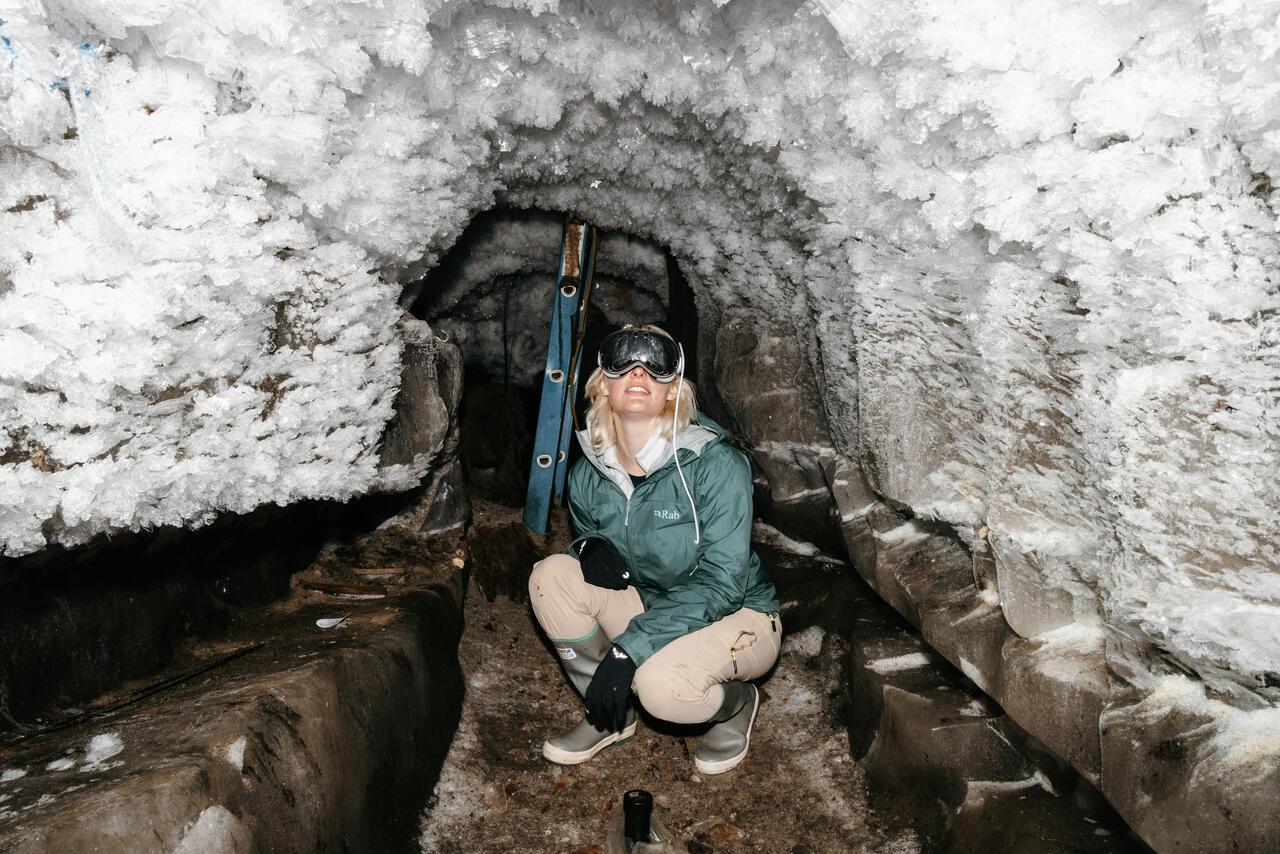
235,753
215,831
766,533
898,663
807,642
100,749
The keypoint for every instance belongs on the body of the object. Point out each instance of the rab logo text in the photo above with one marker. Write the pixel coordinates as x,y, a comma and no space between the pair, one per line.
669,515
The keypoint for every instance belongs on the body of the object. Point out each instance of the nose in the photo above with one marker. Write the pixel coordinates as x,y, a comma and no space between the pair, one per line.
637,372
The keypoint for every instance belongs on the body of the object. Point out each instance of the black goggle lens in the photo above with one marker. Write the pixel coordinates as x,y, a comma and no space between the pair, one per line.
623,350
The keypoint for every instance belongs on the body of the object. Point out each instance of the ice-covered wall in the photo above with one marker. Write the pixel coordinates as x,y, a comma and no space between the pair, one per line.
1036,241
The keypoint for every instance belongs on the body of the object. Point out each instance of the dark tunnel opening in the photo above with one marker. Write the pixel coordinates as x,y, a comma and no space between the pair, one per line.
502,368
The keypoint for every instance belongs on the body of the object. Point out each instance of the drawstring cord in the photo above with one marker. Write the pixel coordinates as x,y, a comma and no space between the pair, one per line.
675,450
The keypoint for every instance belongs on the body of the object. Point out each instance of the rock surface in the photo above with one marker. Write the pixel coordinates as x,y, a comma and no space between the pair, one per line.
426,407
766,382
119,609
285,737
1191,773
940,755
1086,693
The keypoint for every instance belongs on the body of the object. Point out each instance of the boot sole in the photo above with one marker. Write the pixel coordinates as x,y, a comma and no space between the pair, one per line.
569,757
720,766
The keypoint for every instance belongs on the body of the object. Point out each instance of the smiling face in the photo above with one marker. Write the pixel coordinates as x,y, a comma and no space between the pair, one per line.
637,395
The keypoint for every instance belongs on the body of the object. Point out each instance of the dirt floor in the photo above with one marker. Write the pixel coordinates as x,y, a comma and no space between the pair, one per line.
798,791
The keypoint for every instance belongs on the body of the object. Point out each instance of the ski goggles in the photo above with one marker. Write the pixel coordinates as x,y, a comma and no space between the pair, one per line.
630,346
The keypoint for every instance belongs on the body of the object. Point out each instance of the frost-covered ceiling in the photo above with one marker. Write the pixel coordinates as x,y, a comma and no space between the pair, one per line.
1035,241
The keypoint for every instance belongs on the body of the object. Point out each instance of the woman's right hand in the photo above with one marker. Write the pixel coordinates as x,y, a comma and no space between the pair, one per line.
602,565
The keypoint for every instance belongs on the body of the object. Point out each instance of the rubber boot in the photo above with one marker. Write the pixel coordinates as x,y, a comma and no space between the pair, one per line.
581,741
725,745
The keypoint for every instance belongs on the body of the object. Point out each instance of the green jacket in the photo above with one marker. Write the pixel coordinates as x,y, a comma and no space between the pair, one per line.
683,586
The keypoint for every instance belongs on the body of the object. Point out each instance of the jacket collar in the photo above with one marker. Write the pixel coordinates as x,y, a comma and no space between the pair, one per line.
656,454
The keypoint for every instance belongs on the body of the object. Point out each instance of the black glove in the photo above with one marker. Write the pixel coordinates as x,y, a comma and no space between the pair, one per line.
602,565
609,693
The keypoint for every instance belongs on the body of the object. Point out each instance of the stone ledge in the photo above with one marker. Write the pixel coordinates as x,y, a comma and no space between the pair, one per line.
941,757
1191,775
314,740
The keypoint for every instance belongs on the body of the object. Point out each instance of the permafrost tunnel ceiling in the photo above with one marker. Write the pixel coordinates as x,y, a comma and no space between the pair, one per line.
1030,250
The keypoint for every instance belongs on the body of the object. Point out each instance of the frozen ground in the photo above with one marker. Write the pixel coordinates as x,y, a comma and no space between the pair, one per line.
798,791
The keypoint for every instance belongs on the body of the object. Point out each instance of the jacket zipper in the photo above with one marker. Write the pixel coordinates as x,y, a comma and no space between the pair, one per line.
626,533
626,520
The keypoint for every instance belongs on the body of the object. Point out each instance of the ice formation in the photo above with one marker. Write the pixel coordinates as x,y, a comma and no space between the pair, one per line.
1036,243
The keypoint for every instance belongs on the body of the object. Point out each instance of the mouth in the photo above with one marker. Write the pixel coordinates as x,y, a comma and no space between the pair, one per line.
637,390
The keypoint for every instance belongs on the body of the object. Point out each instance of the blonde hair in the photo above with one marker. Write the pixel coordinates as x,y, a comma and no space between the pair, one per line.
600,429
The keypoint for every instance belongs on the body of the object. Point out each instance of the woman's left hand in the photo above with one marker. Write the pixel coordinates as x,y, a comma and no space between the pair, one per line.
602,565
609,693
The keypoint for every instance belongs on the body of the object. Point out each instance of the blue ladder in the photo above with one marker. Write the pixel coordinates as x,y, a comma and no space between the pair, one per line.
560,378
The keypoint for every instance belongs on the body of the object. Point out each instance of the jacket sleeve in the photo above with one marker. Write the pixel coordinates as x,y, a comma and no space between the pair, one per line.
717,586
580,518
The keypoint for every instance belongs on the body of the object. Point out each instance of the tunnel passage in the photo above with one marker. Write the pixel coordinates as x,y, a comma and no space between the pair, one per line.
763,386
489,297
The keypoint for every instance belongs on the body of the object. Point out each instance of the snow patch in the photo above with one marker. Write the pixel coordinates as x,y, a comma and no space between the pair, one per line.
1072,654
899,663
968,668
100,749
235,753
858,513
1247,743
11,774
807,642
766,533
907,532
981,788
215,831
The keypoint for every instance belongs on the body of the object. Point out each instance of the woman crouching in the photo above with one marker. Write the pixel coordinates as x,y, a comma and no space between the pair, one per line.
661,592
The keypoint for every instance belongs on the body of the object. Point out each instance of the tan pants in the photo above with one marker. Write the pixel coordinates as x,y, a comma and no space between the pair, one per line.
680,682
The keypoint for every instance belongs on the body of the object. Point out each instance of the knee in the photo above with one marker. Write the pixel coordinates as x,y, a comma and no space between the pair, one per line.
649,686
552,574
669,693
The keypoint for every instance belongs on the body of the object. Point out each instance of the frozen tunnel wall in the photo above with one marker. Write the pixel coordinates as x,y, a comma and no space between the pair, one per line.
1036,245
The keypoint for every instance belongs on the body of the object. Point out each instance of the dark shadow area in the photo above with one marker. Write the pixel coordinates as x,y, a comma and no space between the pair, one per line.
78,621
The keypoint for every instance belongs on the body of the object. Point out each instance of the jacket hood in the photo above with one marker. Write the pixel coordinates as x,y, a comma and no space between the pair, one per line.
658,453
